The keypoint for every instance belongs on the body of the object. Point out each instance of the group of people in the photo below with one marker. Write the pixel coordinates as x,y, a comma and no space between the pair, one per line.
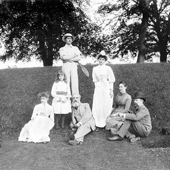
120,120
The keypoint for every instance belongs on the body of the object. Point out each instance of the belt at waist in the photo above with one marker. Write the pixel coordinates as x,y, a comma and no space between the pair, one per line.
62,93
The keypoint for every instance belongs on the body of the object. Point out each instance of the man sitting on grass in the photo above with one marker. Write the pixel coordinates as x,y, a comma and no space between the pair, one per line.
137,124
82,120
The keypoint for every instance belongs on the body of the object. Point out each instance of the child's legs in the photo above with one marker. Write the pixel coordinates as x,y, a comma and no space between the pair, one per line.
62,120
57,119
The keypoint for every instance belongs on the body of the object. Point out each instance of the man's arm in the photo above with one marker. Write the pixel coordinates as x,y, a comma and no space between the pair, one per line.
77,55
139,115
76,58
62,53
87,114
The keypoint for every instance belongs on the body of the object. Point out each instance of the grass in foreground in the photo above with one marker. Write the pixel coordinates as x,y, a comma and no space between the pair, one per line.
96,153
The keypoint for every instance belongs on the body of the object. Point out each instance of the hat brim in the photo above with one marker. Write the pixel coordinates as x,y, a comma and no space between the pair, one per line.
64,37
141,98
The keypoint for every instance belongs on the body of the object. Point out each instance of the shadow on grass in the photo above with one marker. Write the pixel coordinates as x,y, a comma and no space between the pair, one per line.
156,140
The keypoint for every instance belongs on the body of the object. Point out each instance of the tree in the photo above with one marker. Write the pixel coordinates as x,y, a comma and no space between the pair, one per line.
144,6
143,28
160,26
35,27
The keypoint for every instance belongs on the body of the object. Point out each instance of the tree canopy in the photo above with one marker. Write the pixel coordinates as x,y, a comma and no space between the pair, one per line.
143,28
35,27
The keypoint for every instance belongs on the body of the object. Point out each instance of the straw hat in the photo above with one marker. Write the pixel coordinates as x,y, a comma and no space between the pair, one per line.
68,35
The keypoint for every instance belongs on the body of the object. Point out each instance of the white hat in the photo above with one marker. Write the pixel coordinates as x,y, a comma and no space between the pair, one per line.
68,35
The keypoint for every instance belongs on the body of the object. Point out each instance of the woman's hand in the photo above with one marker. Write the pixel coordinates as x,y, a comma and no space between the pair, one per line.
58,99
64,99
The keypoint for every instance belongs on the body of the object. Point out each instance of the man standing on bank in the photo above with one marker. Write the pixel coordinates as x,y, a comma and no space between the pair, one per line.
136,124
70,56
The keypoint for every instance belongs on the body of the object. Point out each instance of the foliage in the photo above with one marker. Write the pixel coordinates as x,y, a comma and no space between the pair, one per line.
127,33
36,27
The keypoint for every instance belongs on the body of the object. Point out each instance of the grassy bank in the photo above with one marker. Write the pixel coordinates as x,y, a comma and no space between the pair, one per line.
19,89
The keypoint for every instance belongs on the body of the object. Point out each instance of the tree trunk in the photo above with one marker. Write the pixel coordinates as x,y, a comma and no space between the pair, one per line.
47,61
49,53
142,49
141,55
163,52
163,44
44,52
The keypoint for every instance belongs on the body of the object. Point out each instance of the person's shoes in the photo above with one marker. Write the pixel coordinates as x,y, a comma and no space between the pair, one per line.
114,131
135,139
74,142
57,127
72,135
45,142
115,138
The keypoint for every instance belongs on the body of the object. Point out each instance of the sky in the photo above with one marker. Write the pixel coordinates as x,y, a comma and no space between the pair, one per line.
99,19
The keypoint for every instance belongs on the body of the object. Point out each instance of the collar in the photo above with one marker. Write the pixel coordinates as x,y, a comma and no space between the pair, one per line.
102,65
122,94
70,46
43,104
141,107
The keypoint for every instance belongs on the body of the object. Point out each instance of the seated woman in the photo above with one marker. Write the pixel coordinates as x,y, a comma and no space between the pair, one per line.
38,128
122,105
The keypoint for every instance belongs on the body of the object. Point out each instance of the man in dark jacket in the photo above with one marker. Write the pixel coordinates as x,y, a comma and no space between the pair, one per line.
136,124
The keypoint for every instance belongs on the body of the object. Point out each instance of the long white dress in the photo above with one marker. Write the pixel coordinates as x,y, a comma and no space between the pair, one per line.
103,78
60,92
38,128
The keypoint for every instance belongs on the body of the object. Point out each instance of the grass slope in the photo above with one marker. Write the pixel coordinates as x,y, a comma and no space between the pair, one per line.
19,89
96,153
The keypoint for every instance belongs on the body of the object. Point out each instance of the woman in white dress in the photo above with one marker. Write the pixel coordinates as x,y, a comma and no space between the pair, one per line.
42,121
61,98
103,78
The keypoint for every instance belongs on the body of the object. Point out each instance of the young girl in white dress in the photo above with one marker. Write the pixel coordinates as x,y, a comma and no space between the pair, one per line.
61,99
42,121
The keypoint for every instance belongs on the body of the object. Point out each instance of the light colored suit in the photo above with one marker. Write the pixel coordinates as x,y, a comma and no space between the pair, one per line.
83,115
67,53
139,124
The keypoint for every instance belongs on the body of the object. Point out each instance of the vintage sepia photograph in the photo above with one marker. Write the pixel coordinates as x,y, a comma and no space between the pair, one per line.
84,84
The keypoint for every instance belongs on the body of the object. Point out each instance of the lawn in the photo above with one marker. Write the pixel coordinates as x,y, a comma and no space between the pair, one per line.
19,89
96,153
